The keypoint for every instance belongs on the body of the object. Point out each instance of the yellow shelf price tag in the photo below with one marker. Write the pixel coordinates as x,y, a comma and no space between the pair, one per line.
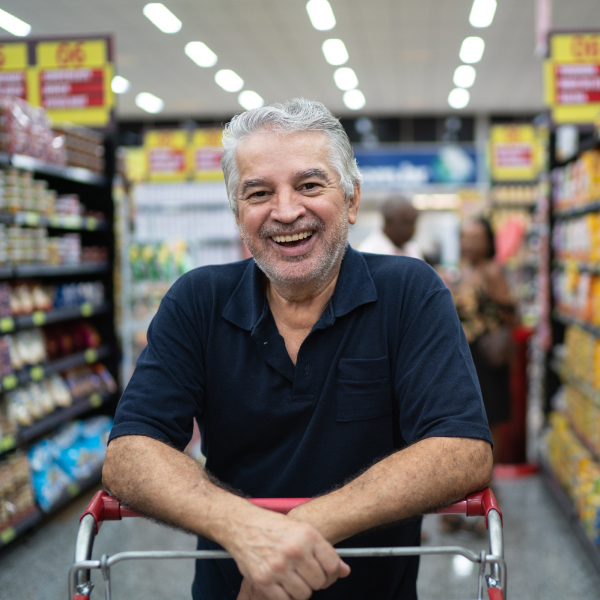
7,324
91,223
38,317
95,400
37,373
8,442
87,310
10,382
73,490
90,355
8,535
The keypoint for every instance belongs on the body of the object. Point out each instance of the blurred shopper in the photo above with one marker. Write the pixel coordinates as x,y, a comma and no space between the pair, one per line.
399,223
314,371
487,313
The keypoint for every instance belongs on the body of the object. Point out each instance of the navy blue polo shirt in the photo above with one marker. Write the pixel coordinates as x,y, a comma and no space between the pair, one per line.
386,365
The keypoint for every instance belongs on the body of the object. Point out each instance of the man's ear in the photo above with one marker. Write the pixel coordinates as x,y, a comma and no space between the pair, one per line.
353,204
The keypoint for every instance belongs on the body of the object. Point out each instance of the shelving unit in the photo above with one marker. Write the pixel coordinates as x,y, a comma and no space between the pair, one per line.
95,192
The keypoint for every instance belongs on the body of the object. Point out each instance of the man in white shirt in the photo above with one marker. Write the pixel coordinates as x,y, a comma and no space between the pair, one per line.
400,219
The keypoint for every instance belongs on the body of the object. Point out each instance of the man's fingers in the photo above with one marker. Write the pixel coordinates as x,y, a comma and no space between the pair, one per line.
296,587
333,566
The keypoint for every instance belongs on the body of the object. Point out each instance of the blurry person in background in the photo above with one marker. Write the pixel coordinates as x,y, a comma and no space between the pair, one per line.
487,313
399,224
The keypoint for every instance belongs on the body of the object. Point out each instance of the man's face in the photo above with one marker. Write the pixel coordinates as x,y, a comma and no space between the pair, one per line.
292,213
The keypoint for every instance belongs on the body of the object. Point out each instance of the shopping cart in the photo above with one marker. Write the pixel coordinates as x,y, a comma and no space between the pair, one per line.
104,507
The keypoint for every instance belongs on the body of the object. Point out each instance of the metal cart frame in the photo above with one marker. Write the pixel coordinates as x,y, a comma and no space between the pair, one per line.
104,507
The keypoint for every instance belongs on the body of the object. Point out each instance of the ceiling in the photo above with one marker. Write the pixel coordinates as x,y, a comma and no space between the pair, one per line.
404,52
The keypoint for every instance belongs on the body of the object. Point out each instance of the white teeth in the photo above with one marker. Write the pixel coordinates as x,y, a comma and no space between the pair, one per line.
291,238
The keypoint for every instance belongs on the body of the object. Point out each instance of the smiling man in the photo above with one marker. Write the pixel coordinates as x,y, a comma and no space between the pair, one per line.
313,371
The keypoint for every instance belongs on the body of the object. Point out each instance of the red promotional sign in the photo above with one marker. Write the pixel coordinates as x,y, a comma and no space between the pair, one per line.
72,88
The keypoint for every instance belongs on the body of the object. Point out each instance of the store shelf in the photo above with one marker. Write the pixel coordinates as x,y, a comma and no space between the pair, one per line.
69,222
19,524
567,320
54,271
38,372
578,210
583,267
28,163
514,205
79,407
58,315
566,507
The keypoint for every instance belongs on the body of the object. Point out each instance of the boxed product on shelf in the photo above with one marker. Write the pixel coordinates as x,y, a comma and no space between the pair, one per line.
577,470
72,455
577,293
67,338
582,355
84,147
578,238
584,415
577,183
16,492
87,380
26,129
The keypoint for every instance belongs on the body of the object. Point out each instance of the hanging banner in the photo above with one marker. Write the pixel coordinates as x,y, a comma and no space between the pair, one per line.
205,154
166,154
514,153
13,69
572,77
71,78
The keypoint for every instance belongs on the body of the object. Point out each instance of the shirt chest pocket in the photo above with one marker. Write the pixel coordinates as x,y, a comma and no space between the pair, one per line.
363,389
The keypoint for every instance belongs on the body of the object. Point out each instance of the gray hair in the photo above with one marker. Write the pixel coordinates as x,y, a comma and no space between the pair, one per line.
293,116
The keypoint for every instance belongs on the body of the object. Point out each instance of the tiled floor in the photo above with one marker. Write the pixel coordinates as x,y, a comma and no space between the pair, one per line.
544,558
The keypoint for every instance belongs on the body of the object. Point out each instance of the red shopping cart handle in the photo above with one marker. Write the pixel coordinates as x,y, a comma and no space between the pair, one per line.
104,507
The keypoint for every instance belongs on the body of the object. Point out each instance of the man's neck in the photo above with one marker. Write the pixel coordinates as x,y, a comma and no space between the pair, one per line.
300,308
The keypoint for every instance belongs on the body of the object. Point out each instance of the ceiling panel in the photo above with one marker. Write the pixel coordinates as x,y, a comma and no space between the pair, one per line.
404,52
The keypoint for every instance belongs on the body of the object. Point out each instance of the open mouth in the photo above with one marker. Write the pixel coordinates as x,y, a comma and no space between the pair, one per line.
291,241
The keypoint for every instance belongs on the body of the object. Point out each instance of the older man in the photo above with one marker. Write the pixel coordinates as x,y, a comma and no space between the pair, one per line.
313,371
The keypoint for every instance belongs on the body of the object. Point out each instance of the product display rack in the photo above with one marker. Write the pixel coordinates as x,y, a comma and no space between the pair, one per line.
574,255
95,192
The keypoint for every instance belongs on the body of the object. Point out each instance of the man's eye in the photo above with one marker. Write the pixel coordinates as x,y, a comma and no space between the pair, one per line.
310,186
258,194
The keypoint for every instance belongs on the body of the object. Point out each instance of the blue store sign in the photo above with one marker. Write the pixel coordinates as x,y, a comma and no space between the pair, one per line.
412,167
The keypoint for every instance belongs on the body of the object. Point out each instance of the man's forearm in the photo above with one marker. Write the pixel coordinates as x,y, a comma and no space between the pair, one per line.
418,479
166,484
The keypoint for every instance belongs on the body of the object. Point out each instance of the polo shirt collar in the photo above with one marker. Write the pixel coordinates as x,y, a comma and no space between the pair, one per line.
353,288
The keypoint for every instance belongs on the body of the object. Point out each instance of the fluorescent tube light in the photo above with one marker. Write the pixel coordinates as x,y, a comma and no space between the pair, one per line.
464,76
162,17
149,102
458,98
120,85
471,50
482,13
14,25
229,80
201,54
249,100
320,14
354,99
335,52
345,78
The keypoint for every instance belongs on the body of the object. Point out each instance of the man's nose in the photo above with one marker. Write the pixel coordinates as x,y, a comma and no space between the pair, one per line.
288,206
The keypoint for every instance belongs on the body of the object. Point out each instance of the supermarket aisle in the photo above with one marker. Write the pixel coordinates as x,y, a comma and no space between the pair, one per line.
544,558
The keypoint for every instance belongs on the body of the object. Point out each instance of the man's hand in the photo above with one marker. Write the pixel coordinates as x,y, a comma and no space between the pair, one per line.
284,559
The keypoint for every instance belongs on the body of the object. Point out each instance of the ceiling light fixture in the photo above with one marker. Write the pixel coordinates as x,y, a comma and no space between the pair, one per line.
229,80
464,76
335,52
354,99
345,78
149,102
120,85
482,13
249,100
201,54
14,25
320,14
471,49
162,17
458,98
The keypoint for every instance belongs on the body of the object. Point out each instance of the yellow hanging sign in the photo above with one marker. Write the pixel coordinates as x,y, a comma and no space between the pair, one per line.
166,154
515,153
205,153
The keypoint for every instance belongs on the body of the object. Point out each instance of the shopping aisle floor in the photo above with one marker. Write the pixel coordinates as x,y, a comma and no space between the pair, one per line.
545,560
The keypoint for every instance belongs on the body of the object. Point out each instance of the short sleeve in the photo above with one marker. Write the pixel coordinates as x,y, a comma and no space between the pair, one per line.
436,383
166,390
